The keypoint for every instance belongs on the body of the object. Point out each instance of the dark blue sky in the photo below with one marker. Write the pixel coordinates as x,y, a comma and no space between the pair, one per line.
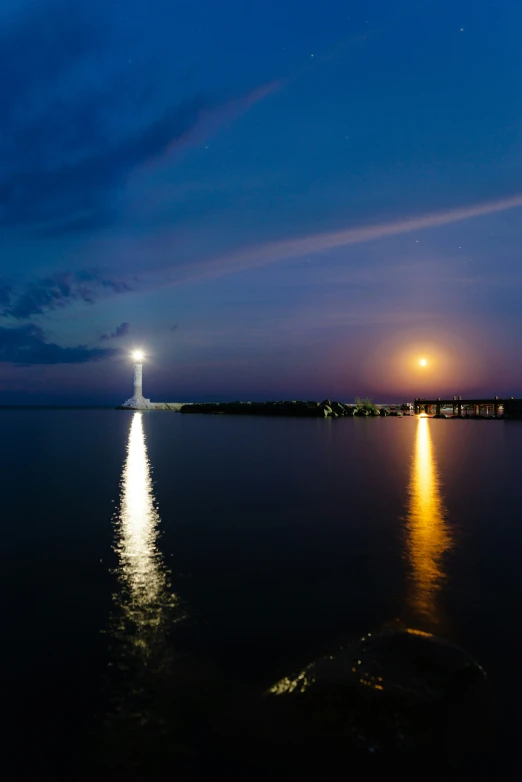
272,199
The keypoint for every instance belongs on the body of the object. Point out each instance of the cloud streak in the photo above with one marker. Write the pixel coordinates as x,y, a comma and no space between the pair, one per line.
274,252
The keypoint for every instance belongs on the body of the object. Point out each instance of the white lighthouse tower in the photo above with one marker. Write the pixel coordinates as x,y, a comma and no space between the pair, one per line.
137,400
138,376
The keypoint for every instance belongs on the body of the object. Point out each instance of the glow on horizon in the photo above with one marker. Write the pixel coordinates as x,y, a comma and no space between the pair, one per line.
423,362
394,366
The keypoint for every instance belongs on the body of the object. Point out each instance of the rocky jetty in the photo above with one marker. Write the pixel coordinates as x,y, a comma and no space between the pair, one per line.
304,409
176,406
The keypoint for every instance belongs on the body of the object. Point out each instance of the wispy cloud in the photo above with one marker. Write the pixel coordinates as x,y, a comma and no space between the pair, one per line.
28,345
121,331
79,195
58,291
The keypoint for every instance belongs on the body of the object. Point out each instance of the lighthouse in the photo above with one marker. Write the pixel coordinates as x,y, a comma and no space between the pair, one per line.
138,374
137,400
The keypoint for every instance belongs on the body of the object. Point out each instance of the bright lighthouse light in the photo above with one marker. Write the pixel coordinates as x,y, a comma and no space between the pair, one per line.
138,355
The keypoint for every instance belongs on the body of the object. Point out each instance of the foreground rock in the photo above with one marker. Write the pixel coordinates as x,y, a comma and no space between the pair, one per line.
399,691
305,409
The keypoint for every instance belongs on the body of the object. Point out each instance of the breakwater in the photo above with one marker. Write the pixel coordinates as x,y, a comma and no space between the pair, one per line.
304,409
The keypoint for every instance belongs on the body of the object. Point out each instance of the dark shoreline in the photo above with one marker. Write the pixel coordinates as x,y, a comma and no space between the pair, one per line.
311,409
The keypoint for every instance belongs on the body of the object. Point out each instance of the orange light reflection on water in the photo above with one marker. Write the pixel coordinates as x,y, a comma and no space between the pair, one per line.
428,535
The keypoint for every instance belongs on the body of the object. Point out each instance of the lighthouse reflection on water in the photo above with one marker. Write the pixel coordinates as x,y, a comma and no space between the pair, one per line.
144,602
428,536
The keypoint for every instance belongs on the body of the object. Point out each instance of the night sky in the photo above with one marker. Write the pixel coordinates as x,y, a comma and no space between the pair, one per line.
273,199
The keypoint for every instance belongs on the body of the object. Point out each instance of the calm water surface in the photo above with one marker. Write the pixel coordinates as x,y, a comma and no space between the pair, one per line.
158,559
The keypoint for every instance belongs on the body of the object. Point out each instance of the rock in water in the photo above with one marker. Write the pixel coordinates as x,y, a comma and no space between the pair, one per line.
395,693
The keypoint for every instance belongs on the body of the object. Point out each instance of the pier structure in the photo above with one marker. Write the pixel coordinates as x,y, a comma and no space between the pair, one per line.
495,406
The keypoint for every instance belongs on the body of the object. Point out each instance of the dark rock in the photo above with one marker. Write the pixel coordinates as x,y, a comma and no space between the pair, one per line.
399,691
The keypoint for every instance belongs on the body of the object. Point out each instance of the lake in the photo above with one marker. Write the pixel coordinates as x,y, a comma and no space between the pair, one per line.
154,565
